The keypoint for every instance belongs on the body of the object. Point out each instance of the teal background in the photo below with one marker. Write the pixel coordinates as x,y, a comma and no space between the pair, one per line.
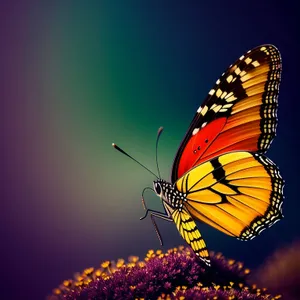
78,76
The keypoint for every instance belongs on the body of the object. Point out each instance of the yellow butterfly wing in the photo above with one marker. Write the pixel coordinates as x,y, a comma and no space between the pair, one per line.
238,193
189,231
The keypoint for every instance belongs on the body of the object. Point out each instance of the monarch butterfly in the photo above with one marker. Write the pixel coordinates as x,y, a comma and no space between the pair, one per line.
220,175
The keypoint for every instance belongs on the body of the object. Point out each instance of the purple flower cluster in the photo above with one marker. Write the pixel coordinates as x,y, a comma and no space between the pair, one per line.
177,274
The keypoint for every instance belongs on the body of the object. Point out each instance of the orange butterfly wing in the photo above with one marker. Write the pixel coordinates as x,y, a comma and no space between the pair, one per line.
239,114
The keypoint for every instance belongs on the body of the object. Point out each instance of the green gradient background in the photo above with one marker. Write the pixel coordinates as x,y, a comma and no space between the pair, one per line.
81,76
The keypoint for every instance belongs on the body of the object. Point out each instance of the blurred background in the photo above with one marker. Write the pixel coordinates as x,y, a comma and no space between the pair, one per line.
76,77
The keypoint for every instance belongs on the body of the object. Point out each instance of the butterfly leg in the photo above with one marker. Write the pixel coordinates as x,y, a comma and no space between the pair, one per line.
154,213
157,214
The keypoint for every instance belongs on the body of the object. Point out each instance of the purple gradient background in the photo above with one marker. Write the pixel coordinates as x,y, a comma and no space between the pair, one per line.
76,77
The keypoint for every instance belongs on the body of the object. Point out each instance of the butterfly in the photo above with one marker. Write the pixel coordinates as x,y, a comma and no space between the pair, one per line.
220,175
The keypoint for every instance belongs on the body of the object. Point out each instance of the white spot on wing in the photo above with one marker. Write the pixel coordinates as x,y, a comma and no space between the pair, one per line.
211,92
204,110
217,108
243,73
195,131
229,78
248,60
219,92
237,71
223,95
256,64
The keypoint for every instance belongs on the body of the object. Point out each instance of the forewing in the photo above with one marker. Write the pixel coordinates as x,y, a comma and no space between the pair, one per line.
239,113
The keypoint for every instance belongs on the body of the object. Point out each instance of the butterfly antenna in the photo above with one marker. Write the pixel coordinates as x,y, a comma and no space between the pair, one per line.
160,130
122,151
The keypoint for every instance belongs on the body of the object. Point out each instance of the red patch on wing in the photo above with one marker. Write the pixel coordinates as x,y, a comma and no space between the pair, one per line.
198,144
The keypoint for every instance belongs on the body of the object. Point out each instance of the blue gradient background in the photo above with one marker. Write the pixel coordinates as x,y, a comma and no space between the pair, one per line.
77,77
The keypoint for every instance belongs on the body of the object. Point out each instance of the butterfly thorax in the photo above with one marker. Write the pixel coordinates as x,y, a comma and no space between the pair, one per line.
169,193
